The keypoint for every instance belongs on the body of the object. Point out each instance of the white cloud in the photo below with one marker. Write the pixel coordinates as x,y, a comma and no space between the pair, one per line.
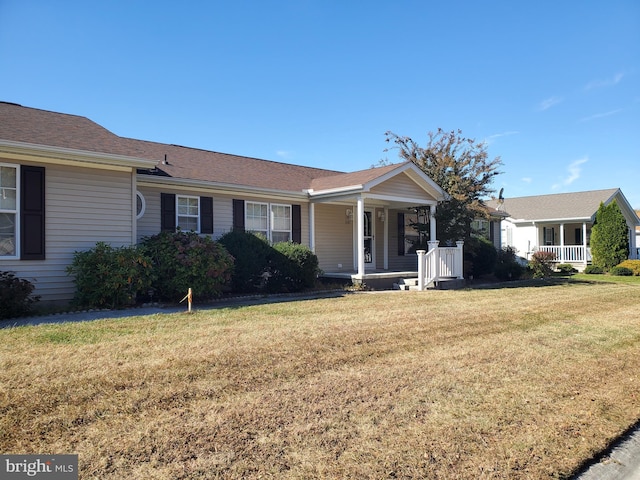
600,115
574,170
549,102
607,82
491,138
527,179
284,154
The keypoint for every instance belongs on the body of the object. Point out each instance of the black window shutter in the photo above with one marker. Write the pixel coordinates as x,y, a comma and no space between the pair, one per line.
238,215
296,224
32,221
206,215
167,212
401,234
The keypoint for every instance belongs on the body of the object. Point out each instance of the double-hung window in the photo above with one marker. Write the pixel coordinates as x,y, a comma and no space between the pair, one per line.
271,220
9,182
280,223
188,218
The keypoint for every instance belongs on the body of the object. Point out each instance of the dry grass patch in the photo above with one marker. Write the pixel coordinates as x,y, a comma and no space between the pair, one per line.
511,383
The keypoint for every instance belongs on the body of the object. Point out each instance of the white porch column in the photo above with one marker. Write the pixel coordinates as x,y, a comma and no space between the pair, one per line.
360,242
584,240
562,243
312,227
421,268
386,239
432,223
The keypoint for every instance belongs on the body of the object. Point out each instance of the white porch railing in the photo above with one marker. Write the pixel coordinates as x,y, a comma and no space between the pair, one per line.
439,263
568,253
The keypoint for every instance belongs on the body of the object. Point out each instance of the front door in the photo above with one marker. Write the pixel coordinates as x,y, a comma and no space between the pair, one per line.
369,246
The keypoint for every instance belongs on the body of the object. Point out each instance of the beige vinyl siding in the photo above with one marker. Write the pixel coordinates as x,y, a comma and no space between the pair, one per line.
83,206
149,223
334,238
401,186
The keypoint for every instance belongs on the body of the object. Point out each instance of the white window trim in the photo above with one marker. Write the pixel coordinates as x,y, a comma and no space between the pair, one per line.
270,218
16,212
178,215
143,207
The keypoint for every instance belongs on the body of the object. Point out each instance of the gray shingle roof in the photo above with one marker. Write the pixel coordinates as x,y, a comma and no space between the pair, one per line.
578,205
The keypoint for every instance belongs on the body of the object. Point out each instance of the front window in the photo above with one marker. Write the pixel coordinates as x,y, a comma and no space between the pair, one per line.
271,220
280,223
480,228
8,210
188,213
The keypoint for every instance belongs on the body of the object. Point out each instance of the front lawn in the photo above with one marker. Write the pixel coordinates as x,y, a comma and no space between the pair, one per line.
522,382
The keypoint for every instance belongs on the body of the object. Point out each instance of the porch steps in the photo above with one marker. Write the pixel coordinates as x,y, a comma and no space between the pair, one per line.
444,284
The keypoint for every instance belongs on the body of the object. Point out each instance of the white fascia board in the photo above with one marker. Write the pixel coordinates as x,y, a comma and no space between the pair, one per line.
398,199
211,187
70,156
335,191
550,220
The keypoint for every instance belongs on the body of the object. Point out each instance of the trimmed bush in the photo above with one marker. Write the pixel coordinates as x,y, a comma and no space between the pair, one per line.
15,296
260,267
593,270
305,263
541,264
183,260
479,257
633,265
109,277
566,268
507,265
621,271
253,258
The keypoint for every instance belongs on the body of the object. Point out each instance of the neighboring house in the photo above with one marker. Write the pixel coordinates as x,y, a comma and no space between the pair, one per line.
638,236
67,183
560,223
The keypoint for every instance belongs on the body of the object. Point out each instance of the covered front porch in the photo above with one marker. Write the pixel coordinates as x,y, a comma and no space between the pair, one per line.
362,225
568,242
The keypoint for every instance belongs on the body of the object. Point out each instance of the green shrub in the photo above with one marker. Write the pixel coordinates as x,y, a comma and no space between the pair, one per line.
507,265
593,270
305,265
633,265
566,268
253,258
479,256
109,277
260,267
609,236
183,260
15,296
541,264
621,271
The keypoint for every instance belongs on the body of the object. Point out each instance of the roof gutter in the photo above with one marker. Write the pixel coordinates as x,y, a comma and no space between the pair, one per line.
206,186
69,156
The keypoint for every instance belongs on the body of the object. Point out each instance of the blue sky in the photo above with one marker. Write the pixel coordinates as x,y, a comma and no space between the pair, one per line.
552,87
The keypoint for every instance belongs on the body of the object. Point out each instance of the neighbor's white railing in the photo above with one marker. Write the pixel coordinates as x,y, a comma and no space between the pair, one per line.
438,263
568,253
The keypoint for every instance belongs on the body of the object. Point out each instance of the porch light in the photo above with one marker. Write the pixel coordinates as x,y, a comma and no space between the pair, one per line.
381,215
348,216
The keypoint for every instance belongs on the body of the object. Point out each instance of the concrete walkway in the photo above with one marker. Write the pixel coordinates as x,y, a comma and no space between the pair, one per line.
621,463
